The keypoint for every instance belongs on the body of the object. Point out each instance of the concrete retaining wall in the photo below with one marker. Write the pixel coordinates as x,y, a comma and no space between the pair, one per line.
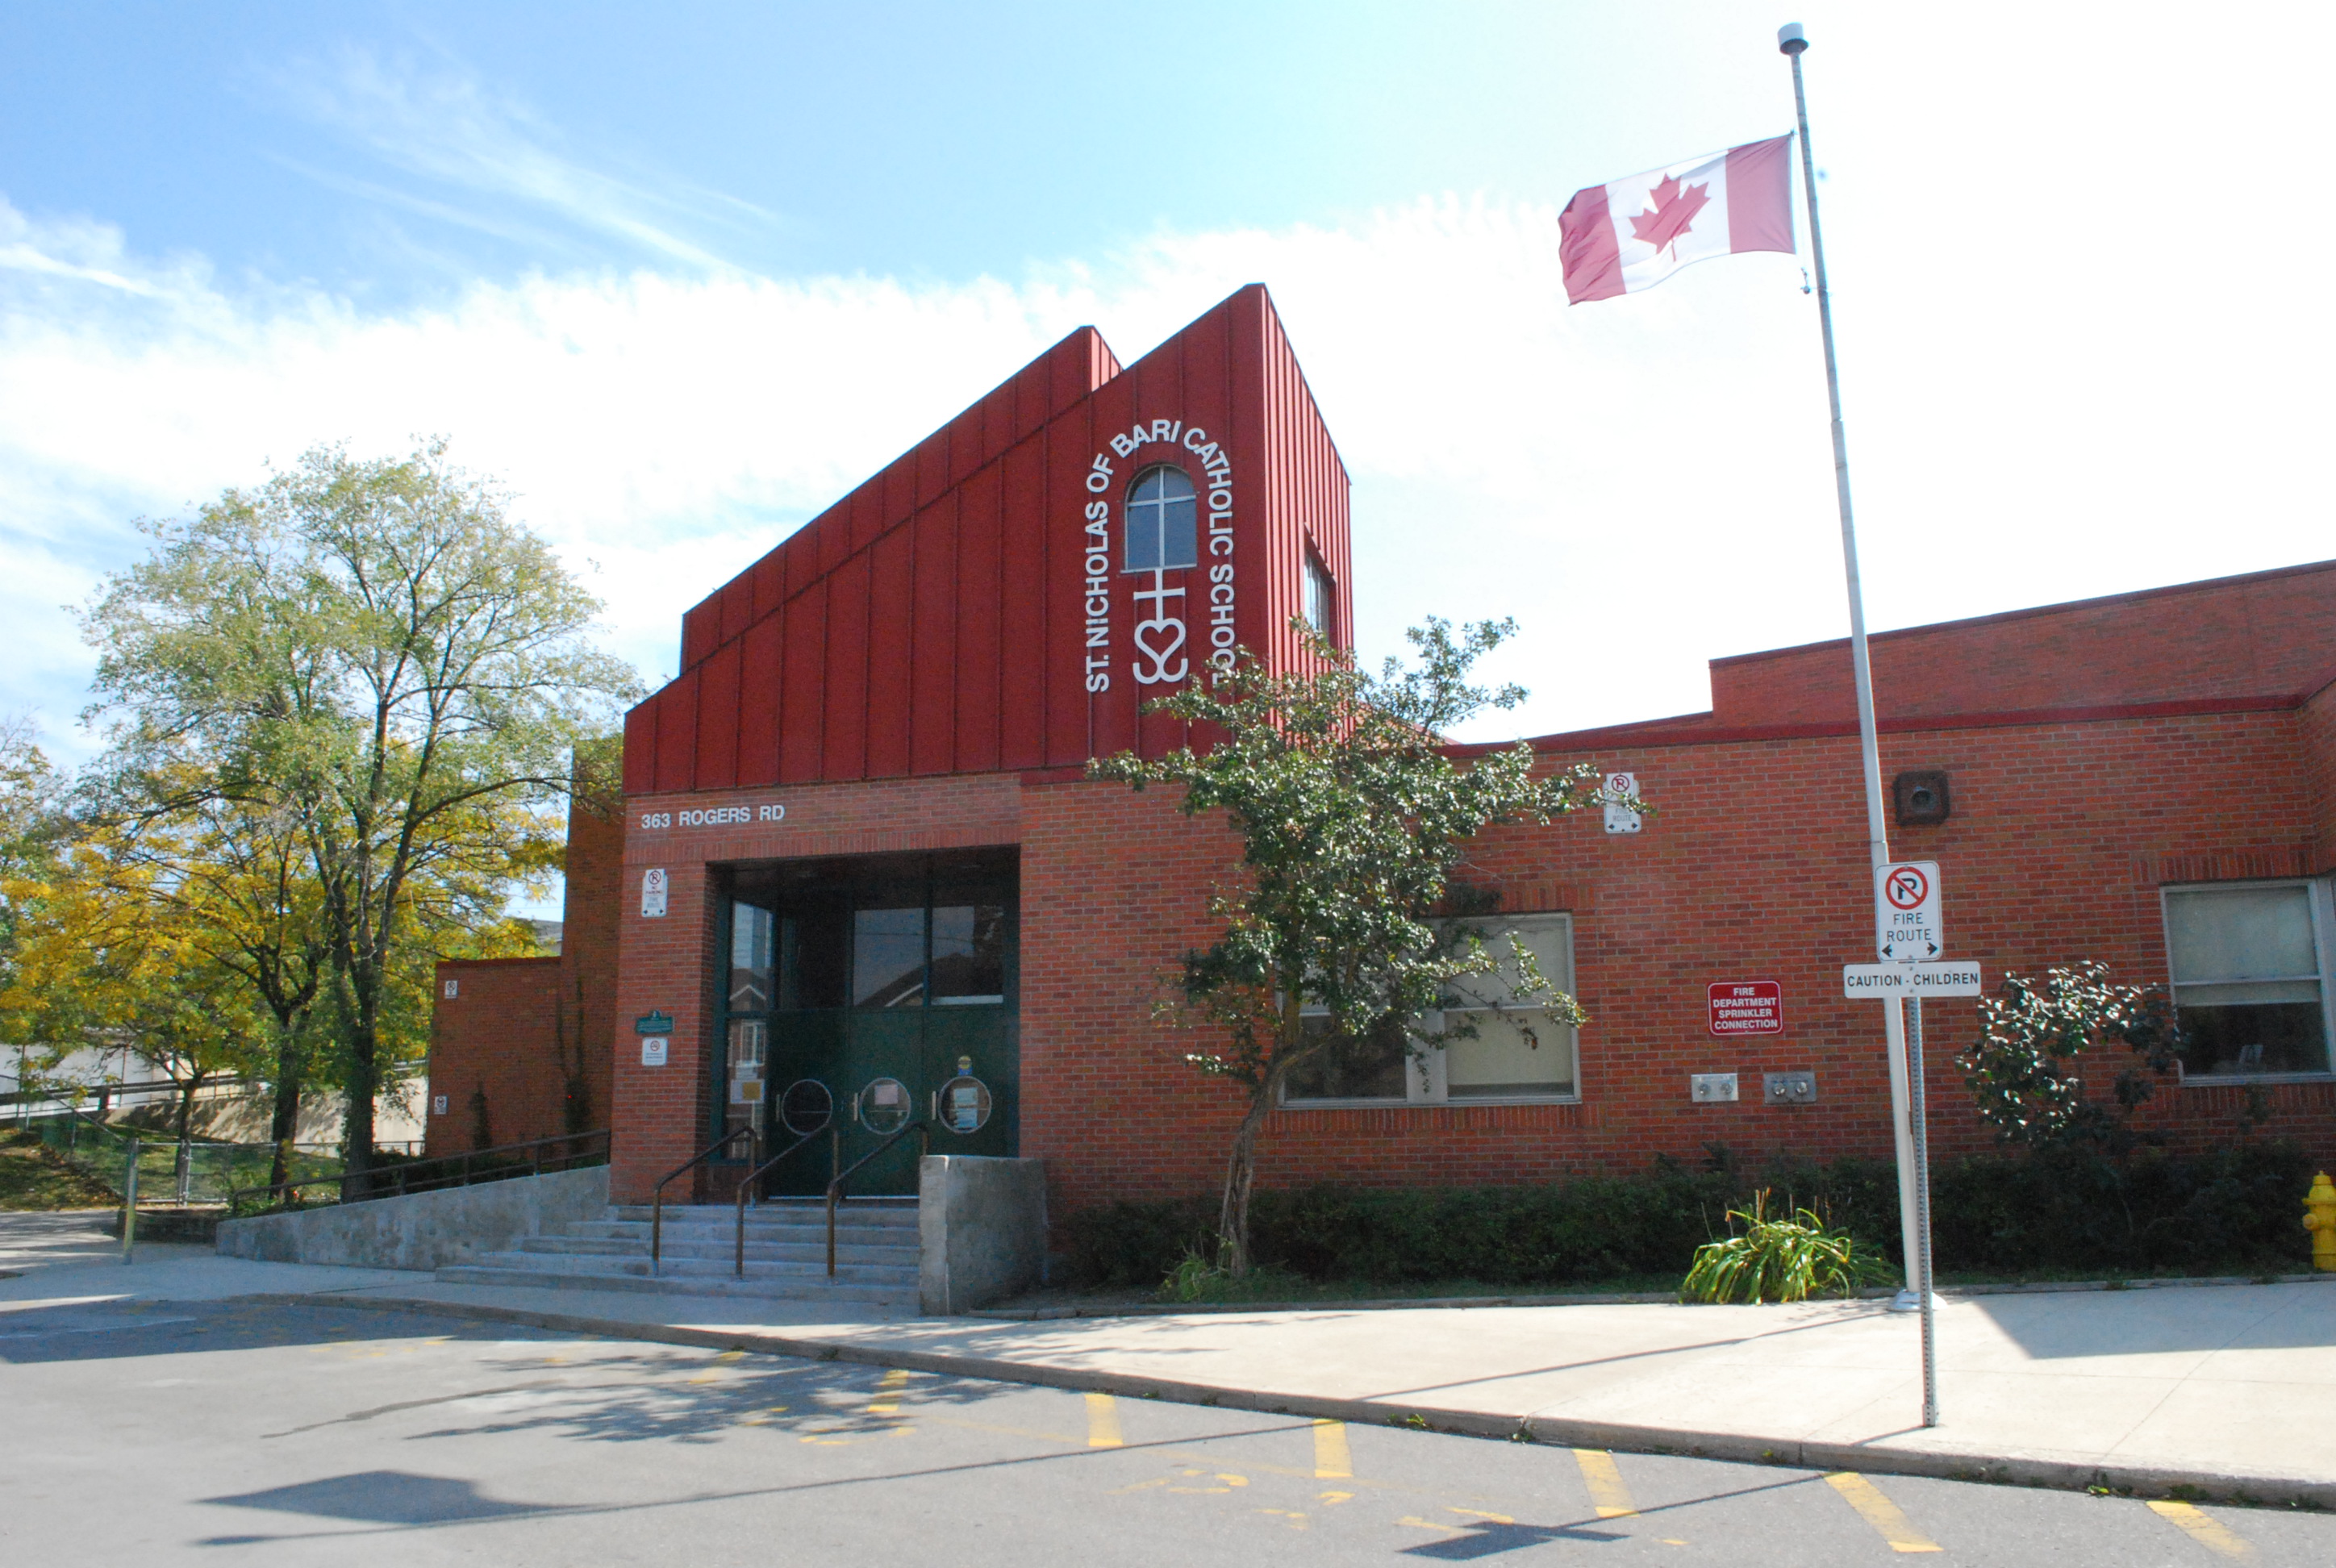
982,1226
423,1230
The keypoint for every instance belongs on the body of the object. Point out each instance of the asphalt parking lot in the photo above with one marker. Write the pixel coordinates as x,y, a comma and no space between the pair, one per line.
306,1434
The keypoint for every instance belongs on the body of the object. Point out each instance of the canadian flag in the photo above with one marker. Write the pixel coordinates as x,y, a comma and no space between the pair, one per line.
1630,234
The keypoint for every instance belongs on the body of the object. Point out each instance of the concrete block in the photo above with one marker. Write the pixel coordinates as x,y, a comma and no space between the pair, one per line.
982,1227
423,1230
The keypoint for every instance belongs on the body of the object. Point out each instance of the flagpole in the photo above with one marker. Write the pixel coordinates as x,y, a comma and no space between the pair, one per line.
1793,42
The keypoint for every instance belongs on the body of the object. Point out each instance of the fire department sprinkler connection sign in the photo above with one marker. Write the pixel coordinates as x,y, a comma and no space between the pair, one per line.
1908,927
1741,1008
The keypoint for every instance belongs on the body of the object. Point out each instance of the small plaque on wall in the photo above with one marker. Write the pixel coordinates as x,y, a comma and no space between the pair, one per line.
653,1050
653,890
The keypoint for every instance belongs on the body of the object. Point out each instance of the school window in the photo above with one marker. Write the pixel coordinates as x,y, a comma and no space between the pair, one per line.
1503,1050
1320,607
1161,531
2250,968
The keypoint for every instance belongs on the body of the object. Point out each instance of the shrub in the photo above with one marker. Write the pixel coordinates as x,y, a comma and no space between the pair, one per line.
1786,1259
2232,1211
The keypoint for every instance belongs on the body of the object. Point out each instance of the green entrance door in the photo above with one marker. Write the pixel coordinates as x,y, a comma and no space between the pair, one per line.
878,992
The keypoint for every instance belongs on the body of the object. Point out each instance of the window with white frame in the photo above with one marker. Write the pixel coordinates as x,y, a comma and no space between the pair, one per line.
2250,963
1320,605
1507,1051
1162,534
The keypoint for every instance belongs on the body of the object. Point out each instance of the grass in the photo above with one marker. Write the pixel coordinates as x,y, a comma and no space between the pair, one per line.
32,1177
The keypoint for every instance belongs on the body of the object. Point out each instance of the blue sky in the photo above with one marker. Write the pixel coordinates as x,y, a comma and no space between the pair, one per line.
681,274
389,150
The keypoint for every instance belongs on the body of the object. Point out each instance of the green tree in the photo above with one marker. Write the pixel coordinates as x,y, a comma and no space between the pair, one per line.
1353,813
2024,1069
377,651
110,958
33,827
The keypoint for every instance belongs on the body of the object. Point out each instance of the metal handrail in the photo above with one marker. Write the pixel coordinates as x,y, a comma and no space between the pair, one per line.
401,1181
835,1187
656,1197
746,1187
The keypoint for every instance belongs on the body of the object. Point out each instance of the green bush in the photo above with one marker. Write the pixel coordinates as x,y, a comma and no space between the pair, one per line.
2234,1210
1787,1259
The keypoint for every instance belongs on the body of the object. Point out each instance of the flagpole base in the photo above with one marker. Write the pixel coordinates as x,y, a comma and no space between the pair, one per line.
1910,1300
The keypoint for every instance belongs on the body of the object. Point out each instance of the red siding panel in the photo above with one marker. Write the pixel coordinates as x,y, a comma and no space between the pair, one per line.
1070,443
640,748
933,619
846,749
978,540
892,648
802,692
677,733
866,511
1027,598
1111,724
802,554
932,694
760,662
737,606
701,627
770,579
717,720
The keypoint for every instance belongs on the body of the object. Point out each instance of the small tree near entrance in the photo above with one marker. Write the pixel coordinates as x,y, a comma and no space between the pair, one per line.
1353,814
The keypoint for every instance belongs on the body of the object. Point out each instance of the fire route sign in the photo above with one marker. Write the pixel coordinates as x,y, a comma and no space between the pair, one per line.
1908,927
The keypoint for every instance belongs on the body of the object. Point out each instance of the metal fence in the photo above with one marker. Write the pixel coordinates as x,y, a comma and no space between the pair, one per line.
170,1173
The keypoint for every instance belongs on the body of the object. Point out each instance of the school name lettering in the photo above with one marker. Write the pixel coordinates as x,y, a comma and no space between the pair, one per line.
1161,634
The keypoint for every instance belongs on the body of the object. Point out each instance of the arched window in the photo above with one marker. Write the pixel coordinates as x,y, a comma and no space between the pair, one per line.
1161,531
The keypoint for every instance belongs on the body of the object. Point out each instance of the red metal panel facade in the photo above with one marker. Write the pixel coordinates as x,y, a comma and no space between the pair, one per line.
970,608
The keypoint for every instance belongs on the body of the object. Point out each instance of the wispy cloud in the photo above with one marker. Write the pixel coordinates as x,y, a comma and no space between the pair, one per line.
440,123
1643,483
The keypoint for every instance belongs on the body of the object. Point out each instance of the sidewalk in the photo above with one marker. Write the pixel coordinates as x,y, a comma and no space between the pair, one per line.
2230,1390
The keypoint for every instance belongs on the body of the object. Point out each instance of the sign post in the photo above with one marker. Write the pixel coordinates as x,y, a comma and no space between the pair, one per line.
1909,935
1922,1271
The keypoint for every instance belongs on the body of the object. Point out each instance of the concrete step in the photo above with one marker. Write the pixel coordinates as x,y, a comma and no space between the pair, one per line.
811,1250
812,1289
764,1231
683,1268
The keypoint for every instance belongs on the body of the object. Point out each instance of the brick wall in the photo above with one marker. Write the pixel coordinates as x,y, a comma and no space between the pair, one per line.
2266,634
494,1037
2316,727
588,944
519,1028
1755,868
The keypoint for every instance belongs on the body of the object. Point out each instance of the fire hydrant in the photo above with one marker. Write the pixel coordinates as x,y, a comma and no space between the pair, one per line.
2321,1221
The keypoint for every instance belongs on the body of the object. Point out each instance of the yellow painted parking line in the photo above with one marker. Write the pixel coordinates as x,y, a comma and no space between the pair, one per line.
1604,1479
1480,1513
2208,1532
888,1396
1880,1511
1332,1462
1102,1421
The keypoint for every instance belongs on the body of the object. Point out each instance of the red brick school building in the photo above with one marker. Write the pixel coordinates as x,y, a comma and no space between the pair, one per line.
857,863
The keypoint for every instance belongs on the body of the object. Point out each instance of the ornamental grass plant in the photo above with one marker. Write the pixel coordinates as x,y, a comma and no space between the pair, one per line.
1786,1258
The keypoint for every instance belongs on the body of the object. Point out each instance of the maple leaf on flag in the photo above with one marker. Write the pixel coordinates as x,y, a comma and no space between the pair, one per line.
1672,214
